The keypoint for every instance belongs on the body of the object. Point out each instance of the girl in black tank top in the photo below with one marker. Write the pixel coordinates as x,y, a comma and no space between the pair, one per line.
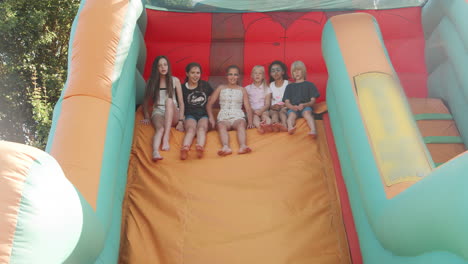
195,96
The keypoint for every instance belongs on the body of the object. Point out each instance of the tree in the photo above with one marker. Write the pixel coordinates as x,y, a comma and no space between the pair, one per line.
34,39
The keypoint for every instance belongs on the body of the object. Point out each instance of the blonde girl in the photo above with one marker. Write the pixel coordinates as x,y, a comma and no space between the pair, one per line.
260,99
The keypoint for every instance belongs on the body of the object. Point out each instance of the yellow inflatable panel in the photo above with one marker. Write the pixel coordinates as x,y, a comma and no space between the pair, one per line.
390,132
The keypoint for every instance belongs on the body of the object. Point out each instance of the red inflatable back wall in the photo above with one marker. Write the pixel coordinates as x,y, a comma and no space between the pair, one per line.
217,40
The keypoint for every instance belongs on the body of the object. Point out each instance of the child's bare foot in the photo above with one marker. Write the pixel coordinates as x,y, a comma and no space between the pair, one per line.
156,156
264,127
292,130
225,151
200,151
313,134
184,152
268,128
260,129
282,127
165,144
244,150
275,127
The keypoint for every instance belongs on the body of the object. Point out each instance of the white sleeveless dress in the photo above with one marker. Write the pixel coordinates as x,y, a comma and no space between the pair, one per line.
230,101
160,107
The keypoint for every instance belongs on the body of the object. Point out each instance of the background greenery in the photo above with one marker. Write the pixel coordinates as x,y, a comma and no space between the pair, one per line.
34,37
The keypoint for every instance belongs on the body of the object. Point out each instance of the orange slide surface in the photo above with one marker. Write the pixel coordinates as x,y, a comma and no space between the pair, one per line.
278,204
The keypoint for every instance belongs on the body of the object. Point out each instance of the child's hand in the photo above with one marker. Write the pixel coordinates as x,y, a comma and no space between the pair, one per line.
276,107
212,122
250,125
145,121
300,107
180,126
258,112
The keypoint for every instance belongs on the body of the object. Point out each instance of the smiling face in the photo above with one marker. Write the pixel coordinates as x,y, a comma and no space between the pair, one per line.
276,72
194,75
163,67
232,76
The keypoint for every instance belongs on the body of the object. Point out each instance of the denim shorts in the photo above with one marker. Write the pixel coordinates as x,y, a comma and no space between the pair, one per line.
300,112
195,117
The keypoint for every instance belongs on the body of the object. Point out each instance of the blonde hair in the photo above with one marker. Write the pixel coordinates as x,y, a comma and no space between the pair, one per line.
299,65
262,70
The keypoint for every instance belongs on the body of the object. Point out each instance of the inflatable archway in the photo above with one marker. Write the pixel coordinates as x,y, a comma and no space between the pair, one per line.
383,183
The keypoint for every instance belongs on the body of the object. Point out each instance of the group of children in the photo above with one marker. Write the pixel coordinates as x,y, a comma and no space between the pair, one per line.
189,107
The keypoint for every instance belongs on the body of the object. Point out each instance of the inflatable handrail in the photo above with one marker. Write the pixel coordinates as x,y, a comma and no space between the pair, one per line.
446,34
388,231
89,144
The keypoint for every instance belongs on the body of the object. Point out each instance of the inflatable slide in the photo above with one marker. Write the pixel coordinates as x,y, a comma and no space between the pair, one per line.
384,181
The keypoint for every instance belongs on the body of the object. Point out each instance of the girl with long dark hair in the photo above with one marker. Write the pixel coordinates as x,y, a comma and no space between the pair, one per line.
160,98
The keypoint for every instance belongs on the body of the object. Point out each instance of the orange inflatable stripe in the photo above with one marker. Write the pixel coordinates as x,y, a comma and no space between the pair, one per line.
353,51
79,139
15,163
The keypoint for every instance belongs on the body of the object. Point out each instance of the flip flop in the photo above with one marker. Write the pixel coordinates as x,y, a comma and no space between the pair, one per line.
245,151
313,135
223,153
155,159
292,131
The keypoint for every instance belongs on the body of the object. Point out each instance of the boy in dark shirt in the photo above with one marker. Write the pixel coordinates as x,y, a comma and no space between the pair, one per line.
299,98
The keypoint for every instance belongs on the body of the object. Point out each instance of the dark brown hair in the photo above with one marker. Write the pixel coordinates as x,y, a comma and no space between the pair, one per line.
152,86
283,67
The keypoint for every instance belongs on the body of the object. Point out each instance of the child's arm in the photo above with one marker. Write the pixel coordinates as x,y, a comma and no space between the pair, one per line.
288,104
248,109
180,100
313,94
146,117
145,109
310,103
209,106
267,104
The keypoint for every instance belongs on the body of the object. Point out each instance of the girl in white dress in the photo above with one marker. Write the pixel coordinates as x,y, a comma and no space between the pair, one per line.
161,91
231,98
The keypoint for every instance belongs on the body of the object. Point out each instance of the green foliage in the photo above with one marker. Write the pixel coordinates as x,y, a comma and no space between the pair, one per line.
34,39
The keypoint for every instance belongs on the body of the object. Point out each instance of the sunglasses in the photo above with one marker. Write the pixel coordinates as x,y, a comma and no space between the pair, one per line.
233,74
273,70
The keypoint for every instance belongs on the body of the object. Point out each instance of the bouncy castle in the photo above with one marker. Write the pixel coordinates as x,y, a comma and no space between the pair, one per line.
382,183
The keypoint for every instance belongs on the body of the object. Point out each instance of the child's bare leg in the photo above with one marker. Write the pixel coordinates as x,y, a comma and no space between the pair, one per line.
292,123
266,120
223,128
240,126
158,123
168,120
283,118
274,119
256,122
202,127
190,126
190,130
310,121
